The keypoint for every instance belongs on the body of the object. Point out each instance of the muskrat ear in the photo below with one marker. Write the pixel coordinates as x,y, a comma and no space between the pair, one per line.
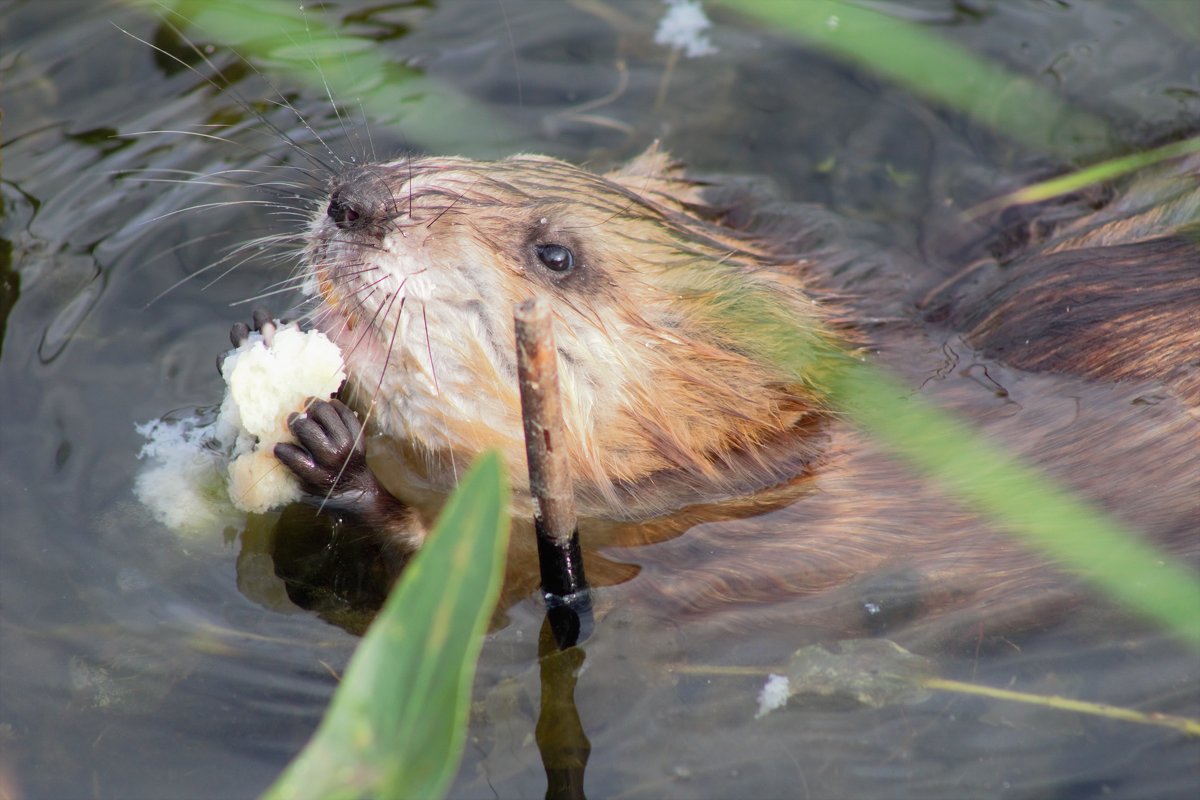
656,173
653,162
728,199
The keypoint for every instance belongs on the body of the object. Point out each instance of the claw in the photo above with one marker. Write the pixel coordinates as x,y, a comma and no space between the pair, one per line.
264,323
239,333
330,461
329,457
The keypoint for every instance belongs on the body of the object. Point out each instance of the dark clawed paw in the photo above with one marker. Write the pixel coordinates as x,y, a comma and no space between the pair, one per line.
330,457
261,322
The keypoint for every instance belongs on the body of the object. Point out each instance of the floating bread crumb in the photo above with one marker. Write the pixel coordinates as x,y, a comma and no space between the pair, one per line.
774,695
184,483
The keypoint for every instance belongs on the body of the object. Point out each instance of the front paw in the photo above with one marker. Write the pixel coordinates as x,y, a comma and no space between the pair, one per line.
261,321
330,461
330,458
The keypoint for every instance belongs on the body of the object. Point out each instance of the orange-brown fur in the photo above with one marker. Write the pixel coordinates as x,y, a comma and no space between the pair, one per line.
1112,312
1079,355
656,390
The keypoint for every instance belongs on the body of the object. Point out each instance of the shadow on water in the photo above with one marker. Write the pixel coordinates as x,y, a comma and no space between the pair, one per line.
137,663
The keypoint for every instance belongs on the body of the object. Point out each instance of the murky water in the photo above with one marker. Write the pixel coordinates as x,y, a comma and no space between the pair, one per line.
134,663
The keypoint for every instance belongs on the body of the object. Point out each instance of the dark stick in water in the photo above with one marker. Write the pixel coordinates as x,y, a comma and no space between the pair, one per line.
568,601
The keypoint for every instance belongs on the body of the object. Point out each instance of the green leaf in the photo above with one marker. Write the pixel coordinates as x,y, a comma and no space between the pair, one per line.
1021,499
397,723
935,68
1097,173
1011,494
306,45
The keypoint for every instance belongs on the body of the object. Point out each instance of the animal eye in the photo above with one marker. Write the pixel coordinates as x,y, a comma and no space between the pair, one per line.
555,257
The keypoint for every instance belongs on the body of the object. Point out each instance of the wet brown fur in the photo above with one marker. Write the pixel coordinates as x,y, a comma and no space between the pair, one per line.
1111,312
1079,355
694,415
1113,295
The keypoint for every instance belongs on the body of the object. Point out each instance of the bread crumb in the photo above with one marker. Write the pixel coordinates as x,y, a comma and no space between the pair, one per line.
204,469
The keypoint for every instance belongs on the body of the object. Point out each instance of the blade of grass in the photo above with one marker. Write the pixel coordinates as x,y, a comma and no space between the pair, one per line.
1016,497
1022,500
880,670
397,723
1009,493
937,69
309,48
1182,724
1097,173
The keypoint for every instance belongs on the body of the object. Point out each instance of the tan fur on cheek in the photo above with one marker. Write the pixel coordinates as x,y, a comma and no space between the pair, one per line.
652,397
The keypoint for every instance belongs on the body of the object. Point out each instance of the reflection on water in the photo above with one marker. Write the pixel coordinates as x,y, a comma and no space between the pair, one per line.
134,663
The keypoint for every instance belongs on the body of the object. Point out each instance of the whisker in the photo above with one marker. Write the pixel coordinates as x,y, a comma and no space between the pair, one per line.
409,164
263,242
512,46
362,109
198,177
391,341
429,349
205,206
265,294
453,203
228,90
337,112
225,140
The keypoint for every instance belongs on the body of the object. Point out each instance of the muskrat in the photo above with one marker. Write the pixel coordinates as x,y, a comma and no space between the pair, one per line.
417,263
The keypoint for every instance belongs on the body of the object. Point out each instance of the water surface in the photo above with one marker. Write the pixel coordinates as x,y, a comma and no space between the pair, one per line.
135,663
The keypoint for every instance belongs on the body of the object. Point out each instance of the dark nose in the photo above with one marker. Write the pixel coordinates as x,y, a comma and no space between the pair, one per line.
359,198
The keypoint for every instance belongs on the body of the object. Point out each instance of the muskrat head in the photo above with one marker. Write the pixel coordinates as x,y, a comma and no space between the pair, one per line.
419,263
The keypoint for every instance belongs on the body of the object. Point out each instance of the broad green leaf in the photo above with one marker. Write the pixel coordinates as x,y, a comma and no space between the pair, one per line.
397,723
